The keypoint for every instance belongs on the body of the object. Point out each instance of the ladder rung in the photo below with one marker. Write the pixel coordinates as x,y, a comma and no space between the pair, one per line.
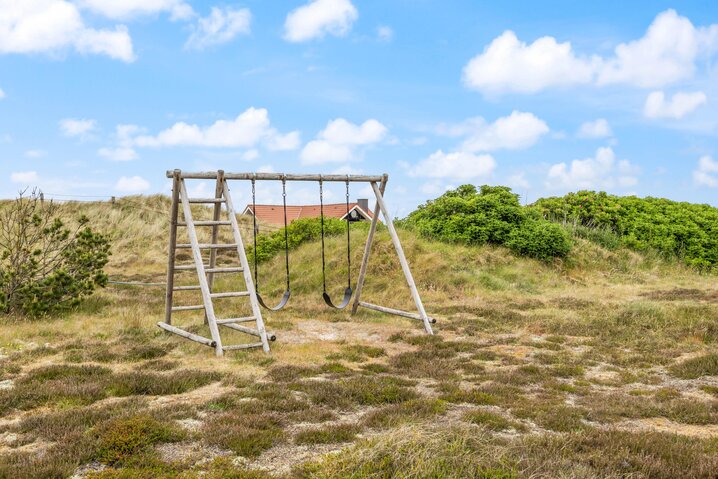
206,200
236,320
209,246
223,270
185,267
186,288
242,346
233,294
206,223
187,308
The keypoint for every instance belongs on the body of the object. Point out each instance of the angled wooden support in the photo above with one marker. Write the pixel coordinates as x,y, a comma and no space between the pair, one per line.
381,205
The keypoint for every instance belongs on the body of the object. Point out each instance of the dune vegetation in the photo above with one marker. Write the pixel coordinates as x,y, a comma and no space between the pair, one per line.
599,362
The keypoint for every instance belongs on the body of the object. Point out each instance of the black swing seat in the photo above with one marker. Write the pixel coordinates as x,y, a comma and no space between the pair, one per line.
345,301
282,303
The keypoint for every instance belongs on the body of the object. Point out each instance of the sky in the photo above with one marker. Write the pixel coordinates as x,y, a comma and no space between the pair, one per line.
101,97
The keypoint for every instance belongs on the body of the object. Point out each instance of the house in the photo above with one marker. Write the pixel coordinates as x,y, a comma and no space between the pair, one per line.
274,214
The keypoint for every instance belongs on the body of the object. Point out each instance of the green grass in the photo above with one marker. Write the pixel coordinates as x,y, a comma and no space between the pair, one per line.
706,365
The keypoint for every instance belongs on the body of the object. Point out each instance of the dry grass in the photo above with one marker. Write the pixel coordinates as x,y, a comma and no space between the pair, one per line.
536,370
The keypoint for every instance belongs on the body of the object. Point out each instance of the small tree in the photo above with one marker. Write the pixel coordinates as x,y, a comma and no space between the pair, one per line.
46,266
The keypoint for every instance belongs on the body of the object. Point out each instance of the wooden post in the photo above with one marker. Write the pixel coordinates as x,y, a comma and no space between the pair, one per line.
367,248
112,201
402,259
202,276
215,231
245,268
173,247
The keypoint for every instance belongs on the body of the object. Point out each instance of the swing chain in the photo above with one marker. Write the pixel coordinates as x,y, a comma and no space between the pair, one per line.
349,259
321,220
286,229
254,232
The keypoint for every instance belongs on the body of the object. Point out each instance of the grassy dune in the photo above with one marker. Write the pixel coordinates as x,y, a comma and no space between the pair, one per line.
603,365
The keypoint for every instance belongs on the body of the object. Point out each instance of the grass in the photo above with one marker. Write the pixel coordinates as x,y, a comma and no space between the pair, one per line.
536,370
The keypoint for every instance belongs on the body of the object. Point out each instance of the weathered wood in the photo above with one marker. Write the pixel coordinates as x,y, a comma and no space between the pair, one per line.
367,249
256,312
186,288
172,244
251,331
186,334
211,175
236,320
235,347
206,223
206,200
215,231
232,294
206,245
402,258
398,312
201,275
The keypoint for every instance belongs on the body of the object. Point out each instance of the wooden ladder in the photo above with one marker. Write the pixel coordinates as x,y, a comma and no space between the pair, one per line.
206,272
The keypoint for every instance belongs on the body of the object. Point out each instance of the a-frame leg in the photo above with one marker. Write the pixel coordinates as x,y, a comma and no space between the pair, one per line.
256,311
215,231
402,258
172,248
199,266
367,249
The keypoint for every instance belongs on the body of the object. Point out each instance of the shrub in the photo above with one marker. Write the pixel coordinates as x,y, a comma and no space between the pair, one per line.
45,266
298,232
491,215
539,239
685,230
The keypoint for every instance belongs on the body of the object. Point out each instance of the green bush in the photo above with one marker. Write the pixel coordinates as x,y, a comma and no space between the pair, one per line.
491,215
45,266
539,239
299,231
676,229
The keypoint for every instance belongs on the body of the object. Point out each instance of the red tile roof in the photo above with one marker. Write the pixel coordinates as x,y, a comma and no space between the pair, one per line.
274,214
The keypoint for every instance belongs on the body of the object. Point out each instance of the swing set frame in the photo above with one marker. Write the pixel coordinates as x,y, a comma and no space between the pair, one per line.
378,184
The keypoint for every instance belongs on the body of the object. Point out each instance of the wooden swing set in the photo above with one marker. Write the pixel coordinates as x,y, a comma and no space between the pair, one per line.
206,271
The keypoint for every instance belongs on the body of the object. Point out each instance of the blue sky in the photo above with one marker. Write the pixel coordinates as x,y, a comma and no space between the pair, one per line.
100,97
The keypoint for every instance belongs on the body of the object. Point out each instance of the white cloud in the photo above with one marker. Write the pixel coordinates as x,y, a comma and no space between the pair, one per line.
2,94
35,153
384,33
35,26
132,184
319,18
602,171
508,64
118,154
665,54
707,172
126,9
518,180
680,104
246,131
77,127
595,129
459,165
279,142
221,26
517,131
24,177
338,141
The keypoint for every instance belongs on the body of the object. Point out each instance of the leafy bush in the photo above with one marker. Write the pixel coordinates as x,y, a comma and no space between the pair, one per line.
45,266
299,231
685,230
491,215
539,239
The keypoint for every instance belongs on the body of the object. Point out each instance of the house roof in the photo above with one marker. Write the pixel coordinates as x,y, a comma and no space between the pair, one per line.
274,214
